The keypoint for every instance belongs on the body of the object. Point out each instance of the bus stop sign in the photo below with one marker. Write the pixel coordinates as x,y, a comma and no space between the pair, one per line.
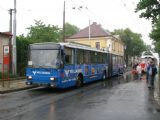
6,50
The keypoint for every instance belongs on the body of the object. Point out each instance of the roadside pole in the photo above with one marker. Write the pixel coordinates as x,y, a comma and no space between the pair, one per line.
14,48
158,84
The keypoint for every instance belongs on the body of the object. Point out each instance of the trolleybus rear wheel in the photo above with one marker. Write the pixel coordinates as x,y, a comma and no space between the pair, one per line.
79,81
104,75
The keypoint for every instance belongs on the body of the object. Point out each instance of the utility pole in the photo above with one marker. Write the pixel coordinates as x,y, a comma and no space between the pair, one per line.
10,40
64,22
10,23
14,51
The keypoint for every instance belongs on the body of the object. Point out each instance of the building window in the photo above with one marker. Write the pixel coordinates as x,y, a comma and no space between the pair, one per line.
98,45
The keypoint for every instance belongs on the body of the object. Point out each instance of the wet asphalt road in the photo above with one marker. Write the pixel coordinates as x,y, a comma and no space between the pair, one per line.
116,99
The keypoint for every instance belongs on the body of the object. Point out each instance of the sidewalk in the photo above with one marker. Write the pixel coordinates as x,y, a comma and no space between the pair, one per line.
13,85
157,89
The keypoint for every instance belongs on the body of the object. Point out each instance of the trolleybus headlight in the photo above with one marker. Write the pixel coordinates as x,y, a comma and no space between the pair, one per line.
29,77
52,78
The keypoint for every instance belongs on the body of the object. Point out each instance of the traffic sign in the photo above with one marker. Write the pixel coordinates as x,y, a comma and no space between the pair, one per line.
6,49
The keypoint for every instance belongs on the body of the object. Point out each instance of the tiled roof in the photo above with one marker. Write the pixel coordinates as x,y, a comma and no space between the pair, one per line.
95,31
6,33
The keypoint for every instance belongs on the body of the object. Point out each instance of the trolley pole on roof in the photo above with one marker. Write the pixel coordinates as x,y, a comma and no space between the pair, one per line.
64,22
14,51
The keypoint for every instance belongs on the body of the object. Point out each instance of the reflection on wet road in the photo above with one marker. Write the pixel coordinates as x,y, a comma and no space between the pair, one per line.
117,98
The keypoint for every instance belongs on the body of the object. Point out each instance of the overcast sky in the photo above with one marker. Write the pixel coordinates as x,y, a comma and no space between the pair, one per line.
111,14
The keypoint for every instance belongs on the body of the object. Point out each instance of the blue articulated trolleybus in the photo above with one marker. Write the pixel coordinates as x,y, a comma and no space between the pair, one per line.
63,65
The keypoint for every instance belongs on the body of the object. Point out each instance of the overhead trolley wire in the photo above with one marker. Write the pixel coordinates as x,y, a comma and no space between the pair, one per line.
86,11
141,27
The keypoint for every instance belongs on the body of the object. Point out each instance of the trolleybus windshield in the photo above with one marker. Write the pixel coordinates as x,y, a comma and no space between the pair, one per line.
45,58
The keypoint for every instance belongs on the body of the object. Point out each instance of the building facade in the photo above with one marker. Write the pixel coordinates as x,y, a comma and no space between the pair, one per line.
95,36
4,42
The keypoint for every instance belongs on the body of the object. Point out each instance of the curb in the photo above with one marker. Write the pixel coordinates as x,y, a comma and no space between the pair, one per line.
18,89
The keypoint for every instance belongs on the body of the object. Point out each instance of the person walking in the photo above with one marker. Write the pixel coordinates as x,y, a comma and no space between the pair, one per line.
143,67
147,71
134,71
152,71
139,71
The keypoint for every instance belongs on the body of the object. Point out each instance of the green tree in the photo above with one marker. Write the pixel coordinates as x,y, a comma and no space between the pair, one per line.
133,42
70,30
39,33
42,33
150,9
155,33
157,47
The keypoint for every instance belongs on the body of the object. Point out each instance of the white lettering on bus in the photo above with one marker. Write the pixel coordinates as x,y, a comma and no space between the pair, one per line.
40,72
67,72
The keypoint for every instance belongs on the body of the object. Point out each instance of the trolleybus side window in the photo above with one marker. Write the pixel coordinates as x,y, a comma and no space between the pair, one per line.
120,60
80,56
100,58
87,57
113,59
93,57
116,59
68,56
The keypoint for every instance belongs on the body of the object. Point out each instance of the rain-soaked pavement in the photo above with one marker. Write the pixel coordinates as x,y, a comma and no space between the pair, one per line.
119,98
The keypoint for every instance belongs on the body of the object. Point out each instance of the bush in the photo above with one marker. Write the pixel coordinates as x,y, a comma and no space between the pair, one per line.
22,54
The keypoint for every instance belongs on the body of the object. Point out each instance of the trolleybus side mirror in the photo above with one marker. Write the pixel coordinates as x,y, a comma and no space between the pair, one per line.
30,64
